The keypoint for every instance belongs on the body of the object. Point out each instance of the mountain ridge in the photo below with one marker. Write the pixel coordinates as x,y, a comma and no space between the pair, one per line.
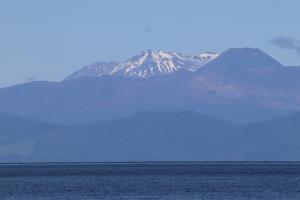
147,64
154,136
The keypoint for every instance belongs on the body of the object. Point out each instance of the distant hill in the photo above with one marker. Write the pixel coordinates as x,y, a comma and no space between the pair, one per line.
142,136
160,136
276,139
13,123
19,135
150,136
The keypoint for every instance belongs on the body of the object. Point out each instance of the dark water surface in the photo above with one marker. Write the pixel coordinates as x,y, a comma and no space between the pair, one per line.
236,181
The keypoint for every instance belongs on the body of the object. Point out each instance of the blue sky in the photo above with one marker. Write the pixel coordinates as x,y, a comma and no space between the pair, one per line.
47,40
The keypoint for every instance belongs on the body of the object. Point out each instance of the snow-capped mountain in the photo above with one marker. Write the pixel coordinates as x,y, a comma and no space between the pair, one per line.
157,63
147,64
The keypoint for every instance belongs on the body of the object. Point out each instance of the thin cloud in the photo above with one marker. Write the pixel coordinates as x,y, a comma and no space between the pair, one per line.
287,43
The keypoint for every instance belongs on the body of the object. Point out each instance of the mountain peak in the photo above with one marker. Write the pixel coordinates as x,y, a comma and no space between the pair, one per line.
158,62
152,63
153,55
244,57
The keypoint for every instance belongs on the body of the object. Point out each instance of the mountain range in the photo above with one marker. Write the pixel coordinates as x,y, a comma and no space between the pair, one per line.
159,105
147,64
241,85
150,136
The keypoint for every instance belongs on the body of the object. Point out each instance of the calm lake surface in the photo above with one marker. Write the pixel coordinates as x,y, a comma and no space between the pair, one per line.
236,181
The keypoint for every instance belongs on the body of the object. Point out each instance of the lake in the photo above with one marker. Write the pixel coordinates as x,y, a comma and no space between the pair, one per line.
178,181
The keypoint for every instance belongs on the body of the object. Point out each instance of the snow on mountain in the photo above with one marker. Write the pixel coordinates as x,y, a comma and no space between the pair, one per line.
208,56
157,63
148,64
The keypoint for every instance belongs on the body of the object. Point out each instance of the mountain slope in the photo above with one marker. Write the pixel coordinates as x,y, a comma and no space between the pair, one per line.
243,58
96,69
243,74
